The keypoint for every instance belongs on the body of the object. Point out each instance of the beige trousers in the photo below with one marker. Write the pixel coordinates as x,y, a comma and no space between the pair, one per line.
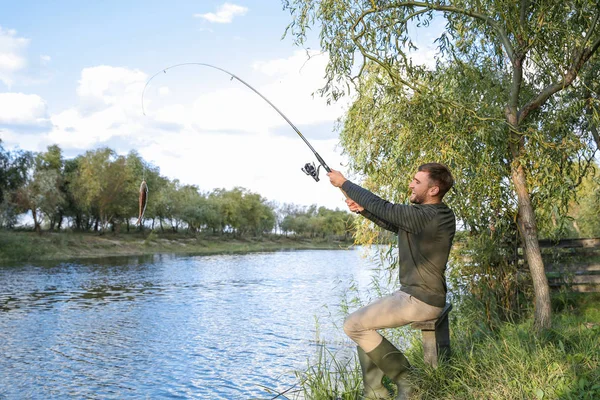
391,311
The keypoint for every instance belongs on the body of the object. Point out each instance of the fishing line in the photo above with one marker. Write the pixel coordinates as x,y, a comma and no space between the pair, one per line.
308,169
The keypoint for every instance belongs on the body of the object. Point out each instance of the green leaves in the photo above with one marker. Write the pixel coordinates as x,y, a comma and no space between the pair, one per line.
502,108
42,192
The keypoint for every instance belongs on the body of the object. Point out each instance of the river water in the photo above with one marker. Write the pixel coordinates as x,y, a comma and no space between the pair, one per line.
189,327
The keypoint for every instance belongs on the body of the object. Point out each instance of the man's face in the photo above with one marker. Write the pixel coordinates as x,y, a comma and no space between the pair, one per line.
419,188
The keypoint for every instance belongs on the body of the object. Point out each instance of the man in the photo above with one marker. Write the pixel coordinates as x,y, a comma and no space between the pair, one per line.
425,232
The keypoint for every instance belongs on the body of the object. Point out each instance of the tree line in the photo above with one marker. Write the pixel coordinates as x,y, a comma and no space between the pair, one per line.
98,191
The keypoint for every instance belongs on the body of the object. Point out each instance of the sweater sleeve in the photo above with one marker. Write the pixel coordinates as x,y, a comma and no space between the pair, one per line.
408,218
384,224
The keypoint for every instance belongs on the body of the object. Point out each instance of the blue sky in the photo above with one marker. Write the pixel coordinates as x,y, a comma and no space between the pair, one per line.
72,73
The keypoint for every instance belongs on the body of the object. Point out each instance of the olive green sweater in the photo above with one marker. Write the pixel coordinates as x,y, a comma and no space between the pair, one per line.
425,233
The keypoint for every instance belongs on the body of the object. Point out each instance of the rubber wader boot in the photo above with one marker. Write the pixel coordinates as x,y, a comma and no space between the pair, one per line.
373,389
393,364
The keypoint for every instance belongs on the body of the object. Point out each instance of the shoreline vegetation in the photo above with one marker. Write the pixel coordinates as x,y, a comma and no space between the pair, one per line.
508,363
19,246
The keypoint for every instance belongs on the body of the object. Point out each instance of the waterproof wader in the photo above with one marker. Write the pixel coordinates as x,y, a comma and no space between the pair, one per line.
392,362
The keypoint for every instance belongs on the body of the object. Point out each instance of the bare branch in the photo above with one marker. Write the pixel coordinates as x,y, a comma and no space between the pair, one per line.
415,14
523,12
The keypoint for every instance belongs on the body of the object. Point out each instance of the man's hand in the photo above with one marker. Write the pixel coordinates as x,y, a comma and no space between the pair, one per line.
354,206
336,178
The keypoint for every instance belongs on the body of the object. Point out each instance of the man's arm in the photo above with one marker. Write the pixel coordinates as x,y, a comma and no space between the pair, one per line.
408,218
355,207
382,223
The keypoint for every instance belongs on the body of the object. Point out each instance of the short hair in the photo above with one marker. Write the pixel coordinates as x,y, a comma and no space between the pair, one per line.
440,175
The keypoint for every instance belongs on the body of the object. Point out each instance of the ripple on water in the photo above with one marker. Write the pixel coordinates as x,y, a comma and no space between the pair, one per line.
218,327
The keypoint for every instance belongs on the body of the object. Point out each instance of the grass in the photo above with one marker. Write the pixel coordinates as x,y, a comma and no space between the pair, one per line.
331,377
29,246
509,363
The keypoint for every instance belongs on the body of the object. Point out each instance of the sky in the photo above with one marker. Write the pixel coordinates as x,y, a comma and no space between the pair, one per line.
72,73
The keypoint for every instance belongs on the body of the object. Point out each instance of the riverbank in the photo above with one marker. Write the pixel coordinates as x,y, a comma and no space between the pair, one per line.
29,246
509,363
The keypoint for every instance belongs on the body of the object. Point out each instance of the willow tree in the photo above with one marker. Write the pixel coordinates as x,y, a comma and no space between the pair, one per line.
42,196
51,162
103,186
524,56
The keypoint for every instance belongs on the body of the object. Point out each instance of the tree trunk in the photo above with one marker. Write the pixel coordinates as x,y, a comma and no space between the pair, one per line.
36,223
526,222
528,229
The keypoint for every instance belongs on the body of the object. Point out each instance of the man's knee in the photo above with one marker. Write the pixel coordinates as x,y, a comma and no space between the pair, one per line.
352,325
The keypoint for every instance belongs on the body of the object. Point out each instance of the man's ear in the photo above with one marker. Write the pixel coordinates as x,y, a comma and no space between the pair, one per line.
434,190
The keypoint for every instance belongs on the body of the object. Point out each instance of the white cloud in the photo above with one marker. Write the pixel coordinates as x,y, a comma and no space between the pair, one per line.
110,107
293,84
224,14
268,165
221,136
12,58
289,84
108,85
22,109
84,131
11,63
231,137
44,59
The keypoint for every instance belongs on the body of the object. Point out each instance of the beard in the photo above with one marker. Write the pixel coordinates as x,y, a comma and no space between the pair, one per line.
415,198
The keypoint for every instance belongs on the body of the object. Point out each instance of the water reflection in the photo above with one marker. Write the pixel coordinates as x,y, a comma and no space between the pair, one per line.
211,327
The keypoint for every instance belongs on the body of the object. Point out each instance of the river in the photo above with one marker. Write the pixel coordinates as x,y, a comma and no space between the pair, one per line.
189,327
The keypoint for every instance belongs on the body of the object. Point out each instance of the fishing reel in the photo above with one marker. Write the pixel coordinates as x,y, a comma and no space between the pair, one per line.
309,169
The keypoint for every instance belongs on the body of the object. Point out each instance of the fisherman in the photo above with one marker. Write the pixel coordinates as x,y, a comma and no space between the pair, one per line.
425,232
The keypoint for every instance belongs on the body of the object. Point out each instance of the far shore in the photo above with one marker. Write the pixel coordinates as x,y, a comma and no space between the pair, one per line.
29,246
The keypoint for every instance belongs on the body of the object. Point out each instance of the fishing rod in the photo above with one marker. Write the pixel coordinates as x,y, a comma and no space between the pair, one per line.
308,169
